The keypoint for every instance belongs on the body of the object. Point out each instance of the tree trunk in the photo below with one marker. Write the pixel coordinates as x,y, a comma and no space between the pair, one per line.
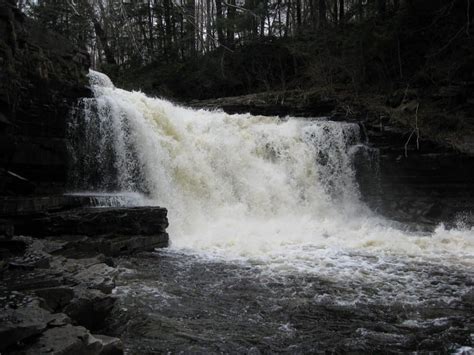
298,15
341,12
381,7
322,13
168,29
102,36
279,18
230,24
208,25
219,23
190,26
396,5
360,10
150,28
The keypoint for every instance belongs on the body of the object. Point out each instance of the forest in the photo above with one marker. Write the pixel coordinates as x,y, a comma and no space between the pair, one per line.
197,49
236,177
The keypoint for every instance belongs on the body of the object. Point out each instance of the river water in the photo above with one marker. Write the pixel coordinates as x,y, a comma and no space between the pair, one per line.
271,248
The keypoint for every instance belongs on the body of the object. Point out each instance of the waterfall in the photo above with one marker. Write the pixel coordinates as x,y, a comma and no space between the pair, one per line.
271,190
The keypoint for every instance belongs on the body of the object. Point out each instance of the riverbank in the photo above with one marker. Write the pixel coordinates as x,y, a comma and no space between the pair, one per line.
57,282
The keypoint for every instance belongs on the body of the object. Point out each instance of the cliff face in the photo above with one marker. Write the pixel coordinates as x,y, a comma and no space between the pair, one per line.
41,78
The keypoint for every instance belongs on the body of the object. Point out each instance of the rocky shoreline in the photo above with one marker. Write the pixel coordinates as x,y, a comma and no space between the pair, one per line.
56,288
57,270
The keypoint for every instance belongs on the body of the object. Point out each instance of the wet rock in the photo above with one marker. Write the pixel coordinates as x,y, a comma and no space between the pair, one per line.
78,290
59,320
468,299
16,184
28,206
65,340
141,221
112,245
41,263
6,228
12,247
21,323
89,308
110,345
99,277
56,298
127,245
425,187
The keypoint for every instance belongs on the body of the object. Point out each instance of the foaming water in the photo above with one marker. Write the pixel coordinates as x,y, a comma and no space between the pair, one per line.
277,194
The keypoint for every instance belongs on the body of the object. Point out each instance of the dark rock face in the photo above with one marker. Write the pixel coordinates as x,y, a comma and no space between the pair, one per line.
425,184
41,78
110,231
99,221
14,206
90,308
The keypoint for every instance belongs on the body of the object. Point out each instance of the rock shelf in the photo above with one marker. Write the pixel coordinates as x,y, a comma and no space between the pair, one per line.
56,291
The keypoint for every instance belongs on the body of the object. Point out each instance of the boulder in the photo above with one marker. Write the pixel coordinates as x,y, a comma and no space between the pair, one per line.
56,298
110,345
98,277
89,308
65,340
21,323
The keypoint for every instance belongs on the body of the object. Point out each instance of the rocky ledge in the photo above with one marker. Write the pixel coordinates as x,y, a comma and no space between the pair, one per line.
56,288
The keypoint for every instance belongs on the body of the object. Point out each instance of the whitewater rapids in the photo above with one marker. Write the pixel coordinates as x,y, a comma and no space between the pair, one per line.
279,195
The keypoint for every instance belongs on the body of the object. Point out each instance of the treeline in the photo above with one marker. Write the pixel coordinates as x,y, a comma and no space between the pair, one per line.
146,31
196,49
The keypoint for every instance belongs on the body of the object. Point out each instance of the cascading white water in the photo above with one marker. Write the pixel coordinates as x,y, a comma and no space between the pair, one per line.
276,193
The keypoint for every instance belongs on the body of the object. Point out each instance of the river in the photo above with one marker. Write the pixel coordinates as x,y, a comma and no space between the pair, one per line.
271,246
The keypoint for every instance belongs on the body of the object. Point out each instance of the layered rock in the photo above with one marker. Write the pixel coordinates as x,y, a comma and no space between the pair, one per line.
278,103
41,78
99,221
57,289
52,307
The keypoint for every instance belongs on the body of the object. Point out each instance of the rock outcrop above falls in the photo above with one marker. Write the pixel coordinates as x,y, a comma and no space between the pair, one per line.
41,77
